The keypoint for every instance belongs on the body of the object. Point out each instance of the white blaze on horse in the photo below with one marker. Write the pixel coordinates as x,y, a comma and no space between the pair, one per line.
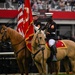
65,53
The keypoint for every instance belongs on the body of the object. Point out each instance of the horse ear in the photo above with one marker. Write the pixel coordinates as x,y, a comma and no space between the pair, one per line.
4,27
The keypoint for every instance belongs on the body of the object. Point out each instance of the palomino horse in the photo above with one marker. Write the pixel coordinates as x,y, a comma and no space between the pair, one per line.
38,47
38,44
18,43
65,53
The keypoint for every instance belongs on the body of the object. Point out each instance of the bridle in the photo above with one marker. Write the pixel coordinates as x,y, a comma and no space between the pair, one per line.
39,39
38,44
4,35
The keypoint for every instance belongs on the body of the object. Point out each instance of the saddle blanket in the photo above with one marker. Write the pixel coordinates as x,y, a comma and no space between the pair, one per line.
59,44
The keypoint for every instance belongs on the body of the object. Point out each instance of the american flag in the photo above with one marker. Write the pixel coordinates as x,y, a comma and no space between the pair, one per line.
25,21
20,17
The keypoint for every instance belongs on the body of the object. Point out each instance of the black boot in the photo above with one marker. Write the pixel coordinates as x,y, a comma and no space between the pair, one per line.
54,51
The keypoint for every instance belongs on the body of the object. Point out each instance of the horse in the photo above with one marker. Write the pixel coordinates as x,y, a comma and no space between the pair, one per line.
38,44
65,53
18,43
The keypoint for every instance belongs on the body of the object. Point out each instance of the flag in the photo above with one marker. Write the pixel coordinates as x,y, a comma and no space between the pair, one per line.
20,17
28,24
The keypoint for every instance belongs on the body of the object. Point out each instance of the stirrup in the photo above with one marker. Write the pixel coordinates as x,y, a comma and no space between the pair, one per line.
54,58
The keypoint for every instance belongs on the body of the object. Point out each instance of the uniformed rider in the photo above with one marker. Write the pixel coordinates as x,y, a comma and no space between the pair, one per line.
51,37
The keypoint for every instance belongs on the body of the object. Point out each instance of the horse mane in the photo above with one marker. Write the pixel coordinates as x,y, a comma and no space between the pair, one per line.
16,36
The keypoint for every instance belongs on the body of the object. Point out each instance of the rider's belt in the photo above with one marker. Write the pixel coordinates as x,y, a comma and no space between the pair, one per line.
52,32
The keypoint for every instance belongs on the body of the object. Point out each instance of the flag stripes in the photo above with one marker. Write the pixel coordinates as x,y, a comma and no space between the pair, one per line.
20,18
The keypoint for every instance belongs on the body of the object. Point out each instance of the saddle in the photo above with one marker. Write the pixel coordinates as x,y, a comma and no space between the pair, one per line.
59,44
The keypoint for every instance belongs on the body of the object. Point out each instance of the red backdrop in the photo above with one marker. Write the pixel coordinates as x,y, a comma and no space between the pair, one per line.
56,14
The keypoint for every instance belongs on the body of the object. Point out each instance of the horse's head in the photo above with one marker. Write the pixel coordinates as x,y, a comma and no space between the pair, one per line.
3,33
38,40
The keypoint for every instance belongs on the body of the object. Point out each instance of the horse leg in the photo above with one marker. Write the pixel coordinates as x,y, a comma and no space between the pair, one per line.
25,65
57,67
73,66
66,65
50,68
43,63
39,67
20,65
54,67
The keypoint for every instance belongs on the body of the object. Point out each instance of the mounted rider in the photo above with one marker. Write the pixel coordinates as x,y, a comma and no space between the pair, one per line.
37,24
51,35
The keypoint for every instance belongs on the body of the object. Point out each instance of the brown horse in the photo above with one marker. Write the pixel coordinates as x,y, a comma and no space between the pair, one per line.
18,43
39,44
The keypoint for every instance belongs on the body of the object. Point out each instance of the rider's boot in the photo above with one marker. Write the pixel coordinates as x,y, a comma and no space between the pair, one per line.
54,51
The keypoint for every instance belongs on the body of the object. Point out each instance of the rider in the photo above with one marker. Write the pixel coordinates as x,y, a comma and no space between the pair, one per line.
37,24
51,36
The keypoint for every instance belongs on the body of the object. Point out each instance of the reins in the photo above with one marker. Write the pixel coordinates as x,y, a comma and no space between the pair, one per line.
19,51
33,55
39,45
38,41
18,43
4,35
